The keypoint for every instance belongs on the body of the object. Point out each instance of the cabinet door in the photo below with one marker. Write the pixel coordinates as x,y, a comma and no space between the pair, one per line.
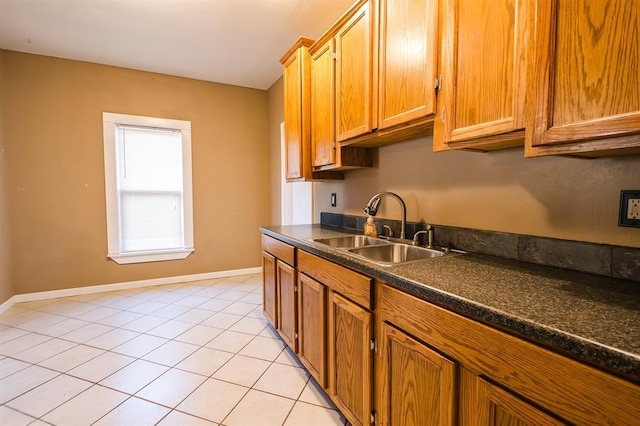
354,75
269,289
312,304
350,358
296,113
323,135
482,96
287,309
585,92
407,60
417,384
487,404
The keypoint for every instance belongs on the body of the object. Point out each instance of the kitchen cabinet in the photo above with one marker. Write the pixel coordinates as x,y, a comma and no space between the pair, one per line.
350,358
502,379
483,73
354,73
279,288
327,153
297,125
287,307
349,331
269,289
417,385
407,61
488,404
584,92
312,335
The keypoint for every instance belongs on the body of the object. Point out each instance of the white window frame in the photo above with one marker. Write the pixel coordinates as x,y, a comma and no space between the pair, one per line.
109,123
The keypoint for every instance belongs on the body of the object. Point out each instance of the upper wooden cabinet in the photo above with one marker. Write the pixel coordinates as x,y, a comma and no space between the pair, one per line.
584,96
297,114
354,73
327,153
481,99
407,62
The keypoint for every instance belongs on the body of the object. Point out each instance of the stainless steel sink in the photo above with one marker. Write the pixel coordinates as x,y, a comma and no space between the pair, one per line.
391,254
351,241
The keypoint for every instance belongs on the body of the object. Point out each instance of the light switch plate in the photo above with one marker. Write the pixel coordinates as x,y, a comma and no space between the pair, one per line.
629,209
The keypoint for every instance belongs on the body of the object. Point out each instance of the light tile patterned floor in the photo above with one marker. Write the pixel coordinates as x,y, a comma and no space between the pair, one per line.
197,353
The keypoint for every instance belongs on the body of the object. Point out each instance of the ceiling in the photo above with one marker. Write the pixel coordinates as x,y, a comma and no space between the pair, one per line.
238,42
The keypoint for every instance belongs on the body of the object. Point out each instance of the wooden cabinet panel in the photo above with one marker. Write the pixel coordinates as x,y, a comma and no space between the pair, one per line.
350,359
288,307
416,383
484,403
585,90
296,112
407,60
482,98
354,75
323,137
279,249
351,284
312,304
269,289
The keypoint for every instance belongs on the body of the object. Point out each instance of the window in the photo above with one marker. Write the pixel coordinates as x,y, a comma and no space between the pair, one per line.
148,185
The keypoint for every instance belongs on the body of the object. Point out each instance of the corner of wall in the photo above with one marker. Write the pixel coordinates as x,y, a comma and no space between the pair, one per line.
6,285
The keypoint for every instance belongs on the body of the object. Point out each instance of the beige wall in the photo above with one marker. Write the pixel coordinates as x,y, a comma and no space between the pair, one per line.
54,154
566,198
559,197
6,286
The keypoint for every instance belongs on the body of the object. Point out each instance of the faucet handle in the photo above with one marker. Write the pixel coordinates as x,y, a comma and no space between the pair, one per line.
390,234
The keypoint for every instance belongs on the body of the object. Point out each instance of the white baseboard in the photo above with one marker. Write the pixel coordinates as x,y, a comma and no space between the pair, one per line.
76,291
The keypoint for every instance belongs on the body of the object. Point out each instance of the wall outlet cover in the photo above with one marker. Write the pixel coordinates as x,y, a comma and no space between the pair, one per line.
629,209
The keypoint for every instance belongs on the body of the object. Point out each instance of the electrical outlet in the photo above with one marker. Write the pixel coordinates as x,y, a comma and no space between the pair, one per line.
629,209
334,199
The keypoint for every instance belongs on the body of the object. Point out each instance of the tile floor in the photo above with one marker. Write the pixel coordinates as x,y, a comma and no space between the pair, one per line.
197,353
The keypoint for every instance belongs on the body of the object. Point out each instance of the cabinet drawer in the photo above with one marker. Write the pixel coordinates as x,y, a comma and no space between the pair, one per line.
345,281
280,250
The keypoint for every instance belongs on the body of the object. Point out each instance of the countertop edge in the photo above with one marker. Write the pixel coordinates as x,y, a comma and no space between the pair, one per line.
623,364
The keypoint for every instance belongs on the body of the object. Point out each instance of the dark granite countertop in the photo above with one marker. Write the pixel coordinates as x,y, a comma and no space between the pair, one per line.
587,317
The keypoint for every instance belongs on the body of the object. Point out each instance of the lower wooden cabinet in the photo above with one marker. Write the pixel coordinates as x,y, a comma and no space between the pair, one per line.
350,358
416,385
312,319
288,306
269,290
487,404
433,367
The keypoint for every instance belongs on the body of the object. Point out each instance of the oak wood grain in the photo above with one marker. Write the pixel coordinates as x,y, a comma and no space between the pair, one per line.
351,284
350,360
584,91
279,249
312,317
571,390
269,289
288,305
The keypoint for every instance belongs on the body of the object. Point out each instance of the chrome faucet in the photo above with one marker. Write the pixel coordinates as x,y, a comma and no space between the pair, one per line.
429,232
372,208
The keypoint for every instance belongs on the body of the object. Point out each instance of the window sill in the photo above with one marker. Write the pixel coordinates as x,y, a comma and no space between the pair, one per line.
150,256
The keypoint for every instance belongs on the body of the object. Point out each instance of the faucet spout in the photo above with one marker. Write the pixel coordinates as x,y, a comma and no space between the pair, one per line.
372,208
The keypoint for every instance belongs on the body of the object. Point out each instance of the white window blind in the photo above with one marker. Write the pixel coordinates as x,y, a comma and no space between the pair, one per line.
150,188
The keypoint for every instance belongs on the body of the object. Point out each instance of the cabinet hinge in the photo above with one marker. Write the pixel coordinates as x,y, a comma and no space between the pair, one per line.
295,288
295,335
374,418
374,344
437,84
334,56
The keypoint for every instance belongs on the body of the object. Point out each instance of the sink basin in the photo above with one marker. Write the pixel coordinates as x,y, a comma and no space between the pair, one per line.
351,241
391,254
